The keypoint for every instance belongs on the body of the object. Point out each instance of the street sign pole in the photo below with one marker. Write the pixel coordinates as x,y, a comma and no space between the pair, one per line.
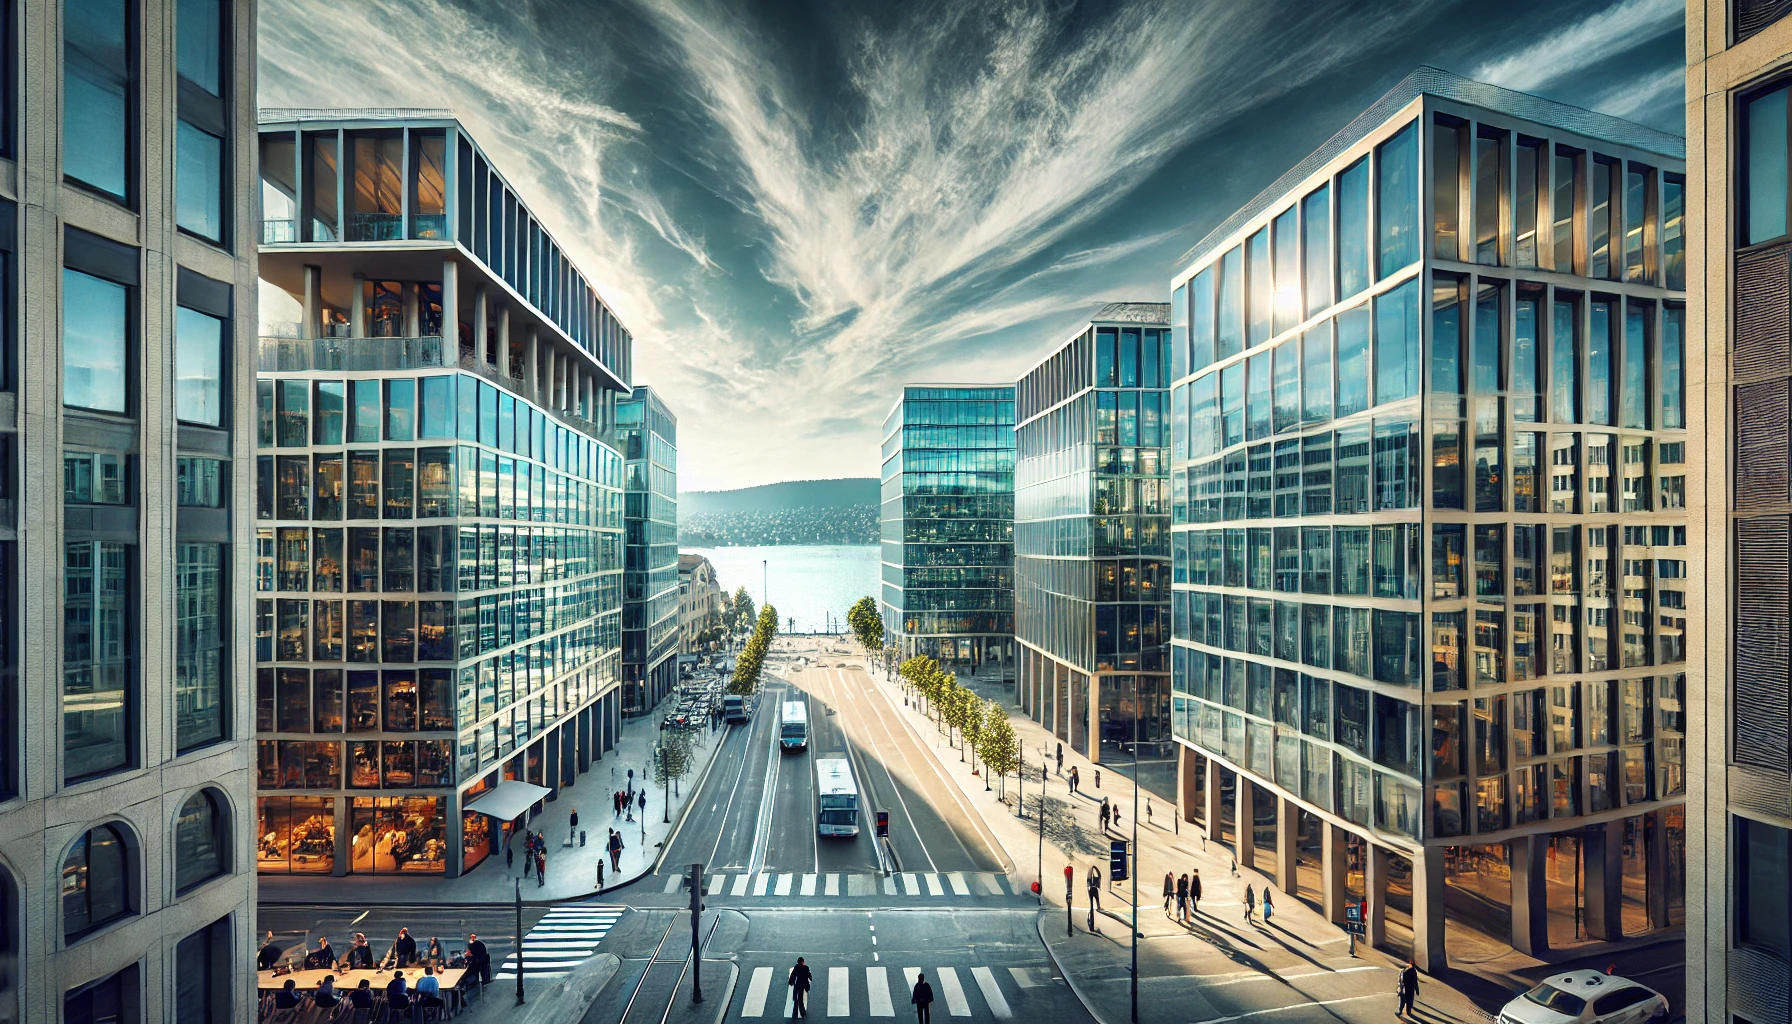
696,918
1069,910
1135,863
519,940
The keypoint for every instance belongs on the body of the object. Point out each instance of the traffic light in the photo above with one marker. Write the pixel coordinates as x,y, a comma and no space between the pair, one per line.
1116,860
883,824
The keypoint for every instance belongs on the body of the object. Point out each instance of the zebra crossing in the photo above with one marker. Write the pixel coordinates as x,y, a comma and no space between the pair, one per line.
833,992
799,885
562,939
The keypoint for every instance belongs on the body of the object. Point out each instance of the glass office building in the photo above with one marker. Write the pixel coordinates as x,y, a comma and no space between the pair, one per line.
649,436
948,525
1429,488
1739,943
1092,536
438,498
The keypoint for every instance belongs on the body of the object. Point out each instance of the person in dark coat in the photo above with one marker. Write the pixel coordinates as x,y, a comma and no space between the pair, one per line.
288,997
541,868
479,959
360,954
573,835
361,998
923,1000
1169,891
509,856
326,992
1182,898
323,956
1194,892
269,955
1250,903
1409,987
1094,887
1060,759
398,997
405,949
800,980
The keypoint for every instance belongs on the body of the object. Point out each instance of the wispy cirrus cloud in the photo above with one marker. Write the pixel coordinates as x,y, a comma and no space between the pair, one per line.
1582,42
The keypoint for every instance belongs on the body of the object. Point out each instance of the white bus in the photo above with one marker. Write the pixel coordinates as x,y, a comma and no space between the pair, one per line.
793,729
839,798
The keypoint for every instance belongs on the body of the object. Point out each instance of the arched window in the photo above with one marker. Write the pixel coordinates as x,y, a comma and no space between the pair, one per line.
96,882
201,840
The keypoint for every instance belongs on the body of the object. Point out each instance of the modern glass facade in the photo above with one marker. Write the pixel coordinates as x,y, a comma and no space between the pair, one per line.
439,503
1092,535
948,525
649,434
1429,488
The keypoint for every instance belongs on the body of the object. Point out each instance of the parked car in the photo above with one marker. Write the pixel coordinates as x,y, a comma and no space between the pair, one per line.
1587,997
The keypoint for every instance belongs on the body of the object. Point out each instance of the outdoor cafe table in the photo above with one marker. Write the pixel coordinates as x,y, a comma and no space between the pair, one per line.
305,981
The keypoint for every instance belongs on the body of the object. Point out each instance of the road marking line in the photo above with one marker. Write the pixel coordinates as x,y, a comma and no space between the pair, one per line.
877,989
909,975
833,885
790,999
934,888
672,883
839,991
911,883
740,884
955,1000
1290,1006
1024,977
992,993
959,886
761,882
889,885
992,882
808,885
757,990
1341,970
783,887
716,884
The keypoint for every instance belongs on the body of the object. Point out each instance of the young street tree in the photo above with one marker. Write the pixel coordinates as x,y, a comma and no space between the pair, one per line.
867,624
675,759
998,745
752,656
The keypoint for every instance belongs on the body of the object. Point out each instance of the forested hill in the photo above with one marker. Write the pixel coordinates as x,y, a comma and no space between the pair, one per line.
794,512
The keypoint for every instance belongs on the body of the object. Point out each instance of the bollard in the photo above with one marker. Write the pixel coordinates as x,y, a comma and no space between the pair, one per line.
581,837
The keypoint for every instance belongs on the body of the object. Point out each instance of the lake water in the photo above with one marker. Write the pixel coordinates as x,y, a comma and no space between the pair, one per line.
808,581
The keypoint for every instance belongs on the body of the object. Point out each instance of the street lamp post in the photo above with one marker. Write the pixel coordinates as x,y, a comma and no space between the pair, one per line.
1135,858
519,939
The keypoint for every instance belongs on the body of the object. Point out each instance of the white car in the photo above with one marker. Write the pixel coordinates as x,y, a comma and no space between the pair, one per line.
1586,997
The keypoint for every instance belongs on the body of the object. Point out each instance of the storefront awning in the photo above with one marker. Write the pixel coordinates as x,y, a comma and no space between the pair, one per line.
509,800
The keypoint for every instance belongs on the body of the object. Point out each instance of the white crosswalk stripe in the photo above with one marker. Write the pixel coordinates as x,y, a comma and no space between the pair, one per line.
783,887
890,885
833,989
740,884
808,885
839,991
833,886
760,882
562,939
912,884
877,988
716,882
959,886
934,888
954,992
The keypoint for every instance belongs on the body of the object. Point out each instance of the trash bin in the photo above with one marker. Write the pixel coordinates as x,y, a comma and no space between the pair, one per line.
581,837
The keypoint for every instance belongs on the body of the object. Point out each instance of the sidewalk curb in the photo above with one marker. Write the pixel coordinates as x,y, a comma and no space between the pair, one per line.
1075,989
1009,865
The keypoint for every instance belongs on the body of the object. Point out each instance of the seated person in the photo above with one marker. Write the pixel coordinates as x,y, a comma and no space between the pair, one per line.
361,998
326,992
360,954
269,955
429,987
323,955
434,952
288,997
396,996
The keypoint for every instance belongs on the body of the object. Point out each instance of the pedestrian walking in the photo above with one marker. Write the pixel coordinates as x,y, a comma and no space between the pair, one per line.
541,868
1269,909
1071,779
616,803
509,856
1094,888
1147,811
1060,759
615,844
1098,778
922,997
600,874
628,805
1250,903
1169,891
1182,899
1194,892
1116,815
1409,987
1107,814
643,801
799,980
479,959
573,834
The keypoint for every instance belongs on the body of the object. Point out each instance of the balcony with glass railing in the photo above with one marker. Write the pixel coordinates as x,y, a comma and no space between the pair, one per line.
294,355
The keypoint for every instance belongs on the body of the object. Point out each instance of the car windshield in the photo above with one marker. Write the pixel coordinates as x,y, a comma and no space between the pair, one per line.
1548,995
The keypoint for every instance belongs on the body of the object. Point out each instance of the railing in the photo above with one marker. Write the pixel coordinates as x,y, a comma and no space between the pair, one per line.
276,231
298,354
375,227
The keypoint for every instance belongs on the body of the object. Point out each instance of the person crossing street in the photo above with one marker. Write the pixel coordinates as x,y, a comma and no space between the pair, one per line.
801,978
1250,903
1169,890
1194,892
923,1000
1408,989
1182,899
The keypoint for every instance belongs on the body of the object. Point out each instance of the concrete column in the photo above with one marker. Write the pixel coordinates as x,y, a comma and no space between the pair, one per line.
480,339
504,339
1243,820
1287,843
451,309
1656,838
1375,893
1604,881
550,764
357,309
1335,867
312,325
454,864
1214,801
1428,910
1186,793
344,844
584,724
413,321
531,355
1530,896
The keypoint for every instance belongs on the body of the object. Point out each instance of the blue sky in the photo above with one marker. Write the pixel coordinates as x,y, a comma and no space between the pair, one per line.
797,206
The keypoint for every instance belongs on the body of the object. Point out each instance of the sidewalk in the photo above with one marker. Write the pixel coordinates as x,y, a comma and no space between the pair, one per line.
1301,954
572,870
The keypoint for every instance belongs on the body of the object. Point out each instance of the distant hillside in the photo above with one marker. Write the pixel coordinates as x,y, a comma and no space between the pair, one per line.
790,494
795,512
